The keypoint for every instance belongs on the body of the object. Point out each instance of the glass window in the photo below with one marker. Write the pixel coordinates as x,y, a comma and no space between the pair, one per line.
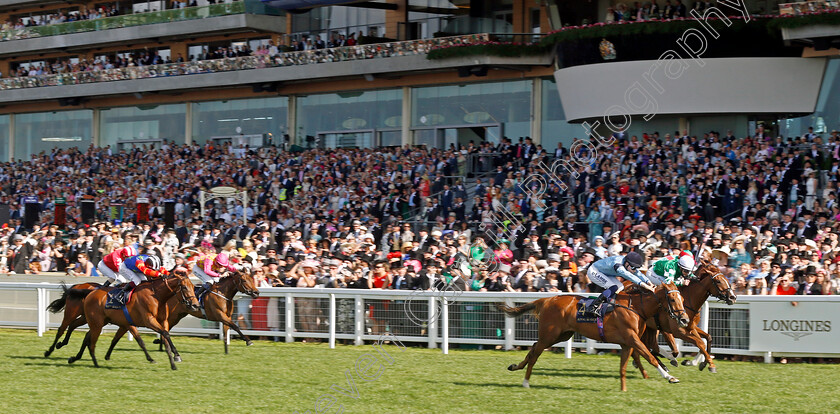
142,124
476,105
555,129
44,131
240,116
826,117
4,138
347,111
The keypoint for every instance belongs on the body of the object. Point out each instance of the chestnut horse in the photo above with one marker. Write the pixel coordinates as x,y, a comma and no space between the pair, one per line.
142,309
623,326
218,306
74,314
710,282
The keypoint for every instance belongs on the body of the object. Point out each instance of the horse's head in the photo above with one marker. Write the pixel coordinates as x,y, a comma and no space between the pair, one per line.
670,295
245,284
186,290
721,288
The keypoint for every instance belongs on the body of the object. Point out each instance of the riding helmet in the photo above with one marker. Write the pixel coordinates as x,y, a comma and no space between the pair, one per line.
152,262
633,259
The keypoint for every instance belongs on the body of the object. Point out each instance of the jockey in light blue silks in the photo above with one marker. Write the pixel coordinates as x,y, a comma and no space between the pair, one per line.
605,273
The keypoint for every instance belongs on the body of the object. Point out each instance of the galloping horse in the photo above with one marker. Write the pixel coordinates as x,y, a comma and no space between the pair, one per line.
74,314
711,282
143,309
557,323
218,307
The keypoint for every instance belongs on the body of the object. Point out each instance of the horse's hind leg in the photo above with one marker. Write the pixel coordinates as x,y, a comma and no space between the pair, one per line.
94,333
532,357
73,325
133,331
57,337
114,341
81,350
695,338
622,370
637,362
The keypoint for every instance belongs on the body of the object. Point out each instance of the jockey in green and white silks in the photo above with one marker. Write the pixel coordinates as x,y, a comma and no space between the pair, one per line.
670,269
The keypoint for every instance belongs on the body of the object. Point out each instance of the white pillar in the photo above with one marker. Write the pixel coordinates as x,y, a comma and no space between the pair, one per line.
536,111
11,137
444,314
188,131
569,348
332,320
406,117
290,318
432,326
360,320
510,326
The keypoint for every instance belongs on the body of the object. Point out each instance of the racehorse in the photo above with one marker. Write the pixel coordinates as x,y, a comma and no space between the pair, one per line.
142,309
558,323
74,314
710,282
218,307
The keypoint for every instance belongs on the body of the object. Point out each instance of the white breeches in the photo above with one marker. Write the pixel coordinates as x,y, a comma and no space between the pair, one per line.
603,280
129,275
199,273
106,271
654,278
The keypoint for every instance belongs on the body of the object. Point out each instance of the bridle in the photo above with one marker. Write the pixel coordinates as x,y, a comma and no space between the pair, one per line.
673,314
718,286
182,289
240,285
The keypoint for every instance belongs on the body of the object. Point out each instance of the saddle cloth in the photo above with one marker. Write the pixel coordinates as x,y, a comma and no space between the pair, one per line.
583,316
117,298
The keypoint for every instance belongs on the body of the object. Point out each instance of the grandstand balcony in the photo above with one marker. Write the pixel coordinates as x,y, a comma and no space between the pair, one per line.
225,18
264,72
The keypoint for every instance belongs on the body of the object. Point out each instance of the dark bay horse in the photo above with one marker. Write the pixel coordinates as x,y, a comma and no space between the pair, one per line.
218,307
623,326
710,282
147,301
74,314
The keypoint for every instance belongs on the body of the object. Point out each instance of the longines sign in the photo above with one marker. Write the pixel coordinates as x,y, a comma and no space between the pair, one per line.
807,327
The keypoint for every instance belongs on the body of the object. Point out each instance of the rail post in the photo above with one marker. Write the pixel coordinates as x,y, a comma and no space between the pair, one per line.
290,318
445,324
332,320
510,326
359,320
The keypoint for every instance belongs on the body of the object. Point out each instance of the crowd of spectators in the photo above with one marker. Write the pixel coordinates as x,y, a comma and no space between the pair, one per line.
763,208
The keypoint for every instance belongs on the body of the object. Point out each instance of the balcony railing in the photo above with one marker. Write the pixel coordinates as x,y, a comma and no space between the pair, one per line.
338,54
139,19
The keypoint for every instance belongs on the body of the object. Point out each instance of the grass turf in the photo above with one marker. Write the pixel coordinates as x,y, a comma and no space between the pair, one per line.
280,377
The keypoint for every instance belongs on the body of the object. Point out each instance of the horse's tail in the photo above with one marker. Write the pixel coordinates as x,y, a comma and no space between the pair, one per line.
78,294
58,304
535,306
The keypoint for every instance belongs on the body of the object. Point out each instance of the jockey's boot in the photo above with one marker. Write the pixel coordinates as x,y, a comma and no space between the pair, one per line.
204,288
106,284
124,293
595,307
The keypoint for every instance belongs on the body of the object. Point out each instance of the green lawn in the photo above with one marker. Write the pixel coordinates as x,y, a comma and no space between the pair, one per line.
279,377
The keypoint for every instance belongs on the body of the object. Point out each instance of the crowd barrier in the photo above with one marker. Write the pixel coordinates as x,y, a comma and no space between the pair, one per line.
755,326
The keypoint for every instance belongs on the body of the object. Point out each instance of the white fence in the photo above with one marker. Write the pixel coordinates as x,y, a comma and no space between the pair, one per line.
756,325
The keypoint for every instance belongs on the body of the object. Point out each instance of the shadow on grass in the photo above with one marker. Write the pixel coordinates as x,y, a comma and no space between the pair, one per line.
80,363
519,385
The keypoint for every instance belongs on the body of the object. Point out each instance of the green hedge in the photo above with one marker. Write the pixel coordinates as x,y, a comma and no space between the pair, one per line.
771,24
504,50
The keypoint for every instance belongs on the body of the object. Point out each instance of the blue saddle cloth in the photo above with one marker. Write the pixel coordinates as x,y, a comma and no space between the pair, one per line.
117,298
583,316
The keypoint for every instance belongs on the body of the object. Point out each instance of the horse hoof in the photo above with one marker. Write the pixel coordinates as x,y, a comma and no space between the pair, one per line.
673,380
178,359
174,368
108,358
635,365
71,360
47,354
156,341
249,343
713,370
674,363
526,384
702,365
687,362
512,367
152,361
59,345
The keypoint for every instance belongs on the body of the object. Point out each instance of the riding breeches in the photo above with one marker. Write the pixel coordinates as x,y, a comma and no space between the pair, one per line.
130,275
199,273
106,271
603,280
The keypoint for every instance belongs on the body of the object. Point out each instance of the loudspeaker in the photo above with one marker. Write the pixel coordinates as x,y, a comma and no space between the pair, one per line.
88,211
30,215
169,214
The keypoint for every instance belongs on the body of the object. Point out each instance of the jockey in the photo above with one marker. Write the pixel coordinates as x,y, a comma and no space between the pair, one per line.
605,273
209,268
109,266
136,269
670,269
